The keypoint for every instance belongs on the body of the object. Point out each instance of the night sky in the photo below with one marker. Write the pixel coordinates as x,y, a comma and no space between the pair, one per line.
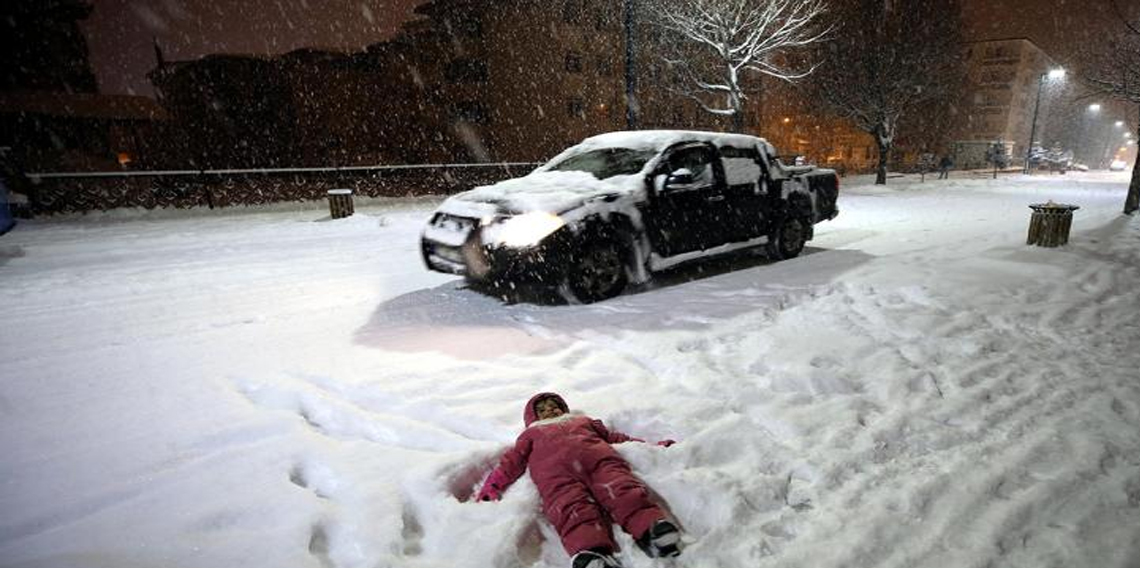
120,32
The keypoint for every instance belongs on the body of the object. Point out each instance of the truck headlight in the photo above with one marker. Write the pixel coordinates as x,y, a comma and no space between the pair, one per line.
524,230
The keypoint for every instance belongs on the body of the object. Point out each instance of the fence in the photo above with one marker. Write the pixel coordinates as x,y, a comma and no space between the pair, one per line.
50,193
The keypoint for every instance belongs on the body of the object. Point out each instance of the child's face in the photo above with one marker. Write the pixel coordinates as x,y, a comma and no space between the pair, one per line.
547,408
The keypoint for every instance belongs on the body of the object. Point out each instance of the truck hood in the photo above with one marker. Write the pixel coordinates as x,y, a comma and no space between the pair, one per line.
553,192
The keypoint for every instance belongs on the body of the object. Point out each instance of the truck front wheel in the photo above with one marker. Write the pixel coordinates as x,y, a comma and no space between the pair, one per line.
596,272
788,240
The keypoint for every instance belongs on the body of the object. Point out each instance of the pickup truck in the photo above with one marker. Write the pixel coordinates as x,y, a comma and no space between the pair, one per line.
614,209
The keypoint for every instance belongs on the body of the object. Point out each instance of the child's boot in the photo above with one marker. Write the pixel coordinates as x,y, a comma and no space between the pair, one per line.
662,540
594,559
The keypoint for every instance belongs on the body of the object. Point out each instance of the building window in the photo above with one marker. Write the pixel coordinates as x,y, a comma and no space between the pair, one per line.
474,112
606,16
574,62
576,108
467,27
605,66
572,12
466,71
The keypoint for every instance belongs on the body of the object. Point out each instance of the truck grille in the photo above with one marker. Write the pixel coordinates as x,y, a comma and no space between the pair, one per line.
454,223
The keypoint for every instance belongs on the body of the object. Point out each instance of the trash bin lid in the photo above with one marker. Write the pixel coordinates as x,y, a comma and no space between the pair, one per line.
1054,206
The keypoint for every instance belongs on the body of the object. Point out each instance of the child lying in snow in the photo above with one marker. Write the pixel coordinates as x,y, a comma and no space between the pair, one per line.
585,485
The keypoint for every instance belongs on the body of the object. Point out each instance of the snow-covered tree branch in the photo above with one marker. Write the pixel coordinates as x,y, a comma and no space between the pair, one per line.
1118,76
888,60
723,41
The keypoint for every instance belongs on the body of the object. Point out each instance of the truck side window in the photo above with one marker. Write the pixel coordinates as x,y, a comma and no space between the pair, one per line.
697,160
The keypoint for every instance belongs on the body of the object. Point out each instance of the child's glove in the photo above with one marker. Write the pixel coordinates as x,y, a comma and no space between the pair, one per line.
493,488
488,493
666,443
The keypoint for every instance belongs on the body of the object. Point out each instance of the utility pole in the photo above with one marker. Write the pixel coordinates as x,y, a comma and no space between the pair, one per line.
1033,129
631,104
1055,73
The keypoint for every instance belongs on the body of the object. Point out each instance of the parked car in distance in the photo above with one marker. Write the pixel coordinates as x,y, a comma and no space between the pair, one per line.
617,207
1117,166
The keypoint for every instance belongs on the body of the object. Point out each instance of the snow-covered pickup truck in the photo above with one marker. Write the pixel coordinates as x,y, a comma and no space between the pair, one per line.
617,207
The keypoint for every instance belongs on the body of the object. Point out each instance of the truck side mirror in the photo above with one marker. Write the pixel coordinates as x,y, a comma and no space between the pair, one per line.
680,178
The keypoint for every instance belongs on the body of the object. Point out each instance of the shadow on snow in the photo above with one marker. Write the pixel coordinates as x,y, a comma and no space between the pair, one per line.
468,323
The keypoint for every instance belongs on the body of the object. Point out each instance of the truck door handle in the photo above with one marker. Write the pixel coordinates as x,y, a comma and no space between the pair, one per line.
716,198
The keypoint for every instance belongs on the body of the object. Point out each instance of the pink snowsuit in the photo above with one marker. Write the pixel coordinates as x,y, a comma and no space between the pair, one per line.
584,484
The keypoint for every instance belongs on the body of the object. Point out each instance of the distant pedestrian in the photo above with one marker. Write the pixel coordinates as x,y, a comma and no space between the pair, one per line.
944,166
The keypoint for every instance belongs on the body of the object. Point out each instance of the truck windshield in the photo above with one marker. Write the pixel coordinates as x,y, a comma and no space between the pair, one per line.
606,162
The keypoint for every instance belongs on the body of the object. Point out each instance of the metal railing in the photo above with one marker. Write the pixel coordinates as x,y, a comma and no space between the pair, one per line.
66,192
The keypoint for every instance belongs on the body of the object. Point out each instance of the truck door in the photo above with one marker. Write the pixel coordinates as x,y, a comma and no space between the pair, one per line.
688,205
746,188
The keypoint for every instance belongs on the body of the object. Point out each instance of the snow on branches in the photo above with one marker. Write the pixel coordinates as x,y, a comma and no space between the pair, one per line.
722,40
1118,75
890,61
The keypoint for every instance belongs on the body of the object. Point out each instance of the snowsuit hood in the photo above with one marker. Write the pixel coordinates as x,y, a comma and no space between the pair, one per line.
529,415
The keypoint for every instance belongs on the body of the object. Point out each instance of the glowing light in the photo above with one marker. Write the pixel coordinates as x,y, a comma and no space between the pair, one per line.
523,230
1095,107
1056,73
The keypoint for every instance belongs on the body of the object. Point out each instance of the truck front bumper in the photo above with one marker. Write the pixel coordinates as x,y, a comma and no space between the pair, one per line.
544,262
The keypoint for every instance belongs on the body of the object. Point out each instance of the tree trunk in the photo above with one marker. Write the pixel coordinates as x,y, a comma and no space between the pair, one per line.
736,103
884,151
1132,202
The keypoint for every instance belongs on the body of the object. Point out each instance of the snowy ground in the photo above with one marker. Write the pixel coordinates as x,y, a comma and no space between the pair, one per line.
274,389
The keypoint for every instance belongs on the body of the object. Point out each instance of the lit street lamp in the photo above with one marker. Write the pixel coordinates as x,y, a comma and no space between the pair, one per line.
1052,74
1084,145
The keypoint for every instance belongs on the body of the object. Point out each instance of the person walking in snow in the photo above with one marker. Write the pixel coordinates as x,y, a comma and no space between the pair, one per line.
944,166
585,485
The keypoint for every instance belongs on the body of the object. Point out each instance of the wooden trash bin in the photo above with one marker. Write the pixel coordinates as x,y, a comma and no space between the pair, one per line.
1049,226
340,203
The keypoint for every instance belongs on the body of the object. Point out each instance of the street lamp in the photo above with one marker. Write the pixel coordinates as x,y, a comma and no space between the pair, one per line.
1118,124
1084,143
1052,74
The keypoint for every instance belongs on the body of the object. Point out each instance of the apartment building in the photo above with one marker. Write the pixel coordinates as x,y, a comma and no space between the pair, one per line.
1004,77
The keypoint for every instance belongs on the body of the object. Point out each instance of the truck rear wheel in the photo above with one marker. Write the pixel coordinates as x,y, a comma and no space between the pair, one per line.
788,240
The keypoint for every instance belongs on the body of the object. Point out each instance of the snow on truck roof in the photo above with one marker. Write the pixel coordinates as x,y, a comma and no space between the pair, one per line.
661,139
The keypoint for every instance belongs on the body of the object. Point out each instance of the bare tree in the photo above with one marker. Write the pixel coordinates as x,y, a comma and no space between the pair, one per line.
724,40
887,61
1118,75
